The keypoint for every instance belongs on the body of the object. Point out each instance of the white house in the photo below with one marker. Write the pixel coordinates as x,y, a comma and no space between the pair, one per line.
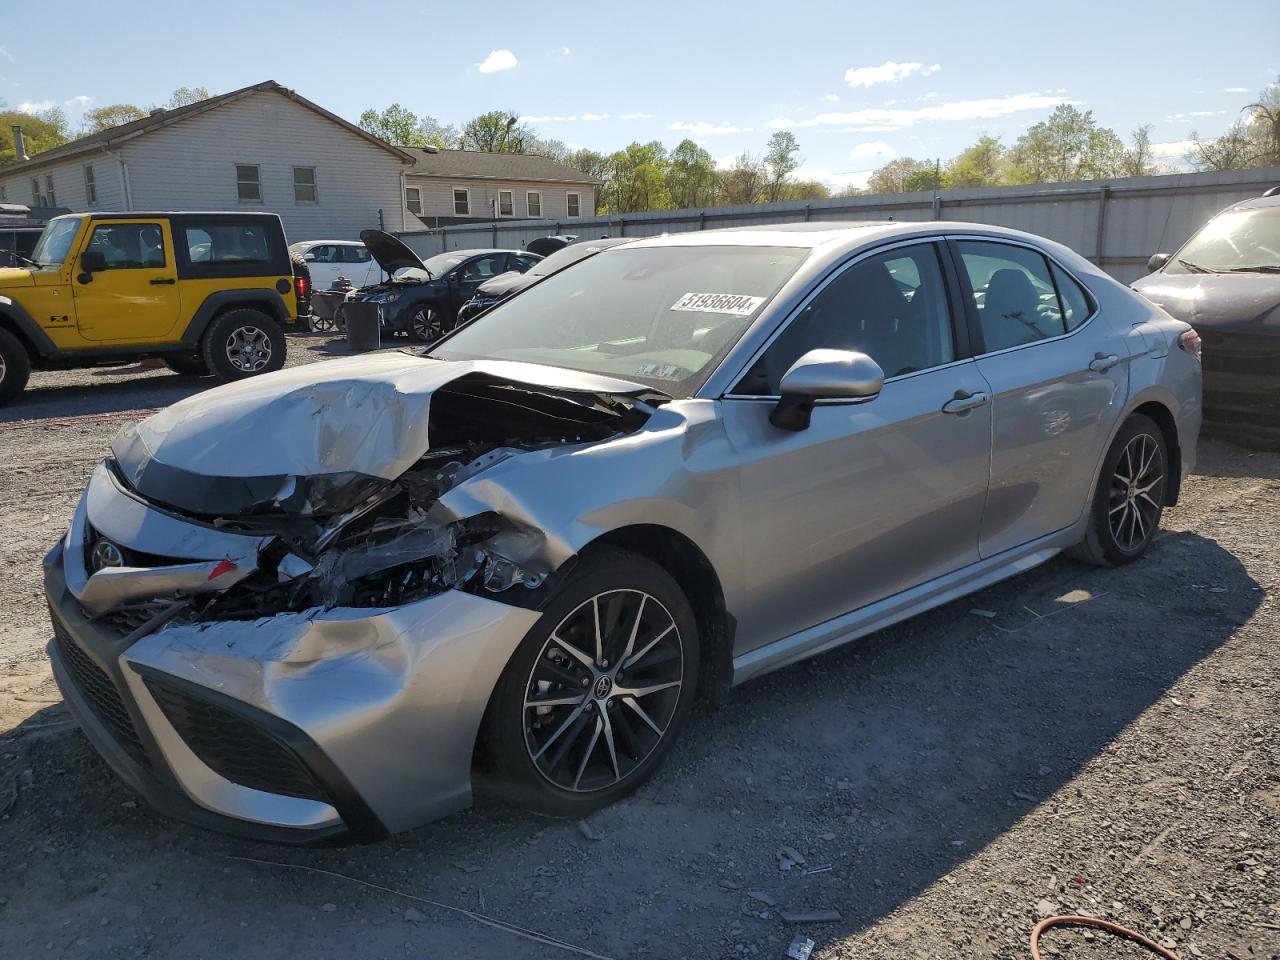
264,147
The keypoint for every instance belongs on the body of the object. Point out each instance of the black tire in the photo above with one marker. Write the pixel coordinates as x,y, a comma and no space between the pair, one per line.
188,365
426,324
261,345
1122,524
15,366
521,741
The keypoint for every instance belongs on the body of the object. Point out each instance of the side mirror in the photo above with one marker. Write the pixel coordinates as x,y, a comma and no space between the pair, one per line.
91,262
1157,261
824,375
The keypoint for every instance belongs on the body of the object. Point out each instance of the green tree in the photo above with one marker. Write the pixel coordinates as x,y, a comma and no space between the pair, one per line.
405,128
594,164
40,131
103,118
747,181
804,190
1264,126
1069,145
184,96
637,179
781,158
1138,159
981,165
903,175
498,131
691,176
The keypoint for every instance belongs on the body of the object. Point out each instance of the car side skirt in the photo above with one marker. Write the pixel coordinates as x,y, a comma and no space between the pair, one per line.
902,606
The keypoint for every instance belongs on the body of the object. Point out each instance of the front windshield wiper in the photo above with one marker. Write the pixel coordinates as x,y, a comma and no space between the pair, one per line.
1195,267
1259,268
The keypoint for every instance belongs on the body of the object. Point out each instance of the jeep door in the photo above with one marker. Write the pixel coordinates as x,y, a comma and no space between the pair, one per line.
136,297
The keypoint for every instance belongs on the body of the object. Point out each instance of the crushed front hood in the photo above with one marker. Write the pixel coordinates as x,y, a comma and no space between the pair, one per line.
1239,302
261,438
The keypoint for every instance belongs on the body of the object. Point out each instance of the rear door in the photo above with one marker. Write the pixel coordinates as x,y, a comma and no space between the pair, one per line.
136,297
1059,377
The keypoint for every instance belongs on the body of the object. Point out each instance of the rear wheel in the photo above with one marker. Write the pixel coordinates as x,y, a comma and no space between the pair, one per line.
243,343
1130,496
599,689
15,366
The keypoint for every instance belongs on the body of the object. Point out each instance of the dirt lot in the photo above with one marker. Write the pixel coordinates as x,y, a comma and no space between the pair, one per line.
1108,742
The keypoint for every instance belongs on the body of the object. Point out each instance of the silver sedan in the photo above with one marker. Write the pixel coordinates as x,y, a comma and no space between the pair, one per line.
318,602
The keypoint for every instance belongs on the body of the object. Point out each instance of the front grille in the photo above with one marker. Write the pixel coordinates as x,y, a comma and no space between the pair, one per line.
234,746
99,690
126,620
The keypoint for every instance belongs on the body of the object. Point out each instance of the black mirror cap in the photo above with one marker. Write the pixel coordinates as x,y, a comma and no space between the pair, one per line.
93,261
1157,261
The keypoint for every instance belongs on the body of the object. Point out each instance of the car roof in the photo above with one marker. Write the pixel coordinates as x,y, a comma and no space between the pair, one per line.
829,235
1254,202
477,251
340,243
140,214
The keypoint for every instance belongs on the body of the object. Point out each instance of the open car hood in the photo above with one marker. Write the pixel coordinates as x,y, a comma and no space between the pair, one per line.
390,252
294,437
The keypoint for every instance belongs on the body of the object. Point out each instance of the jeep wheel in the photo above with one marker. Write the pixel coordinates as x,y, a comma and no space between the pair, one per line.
15,366
188,365
243,343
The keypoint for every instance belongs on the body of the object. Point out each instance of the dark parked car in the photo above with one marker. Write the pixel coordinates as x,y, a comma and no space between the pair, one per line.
1225,282
16,244
422,298
492,292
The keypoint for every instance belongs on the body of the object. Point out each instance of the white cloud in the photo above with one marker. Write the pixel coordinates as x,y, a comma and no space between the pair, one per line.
1193,114
887,72
36,106
497,60
595,116
879,118
549,118
635,116
702,128
835,180
1172,148
564,51
875,149
1235,90
832,98
6,54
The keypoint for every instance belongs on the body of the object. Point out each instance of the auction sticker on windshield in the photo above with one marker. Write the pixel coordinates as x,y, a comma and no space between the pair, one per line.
736,304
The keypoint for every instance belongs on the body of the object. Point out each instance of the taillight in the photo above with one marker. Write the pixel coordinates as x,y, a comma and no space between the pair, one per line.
1190,342
303,285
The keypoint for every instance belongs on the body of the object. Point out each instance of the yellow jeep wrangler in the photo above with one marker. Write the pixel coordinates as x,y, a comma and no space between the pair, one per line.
209,293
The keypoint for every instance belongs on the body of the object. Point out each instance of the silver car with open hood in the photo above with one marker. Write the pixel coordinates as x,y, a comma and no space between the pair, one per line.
329,600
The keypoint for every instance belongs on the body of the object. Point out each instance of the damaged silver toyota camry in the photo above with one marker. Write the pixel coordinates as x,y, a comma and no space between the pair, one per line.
329,601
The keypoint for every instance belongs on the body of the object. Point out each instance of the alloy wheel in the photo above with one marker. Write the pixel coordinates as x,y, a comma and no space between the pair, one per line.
248,349
603,690
426,325
1137,493
4,369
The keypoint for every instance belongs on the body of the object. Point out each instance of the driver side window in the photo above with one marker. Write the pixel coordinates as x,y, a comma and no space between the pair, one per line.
892,307
482,268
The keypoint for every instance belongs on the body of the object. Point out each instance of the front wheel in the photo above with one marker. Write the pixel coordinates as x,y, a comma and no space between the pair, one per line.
426,325
1130,496
15,366
243,343
599,689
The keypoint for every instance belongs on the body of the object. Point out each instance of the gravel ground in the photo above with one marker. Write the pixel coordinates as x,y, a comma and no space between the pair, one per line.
1106,743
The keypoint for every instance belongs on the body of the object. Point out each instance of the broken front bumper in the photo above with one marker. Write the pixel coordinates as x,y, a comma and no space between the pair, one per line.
296,727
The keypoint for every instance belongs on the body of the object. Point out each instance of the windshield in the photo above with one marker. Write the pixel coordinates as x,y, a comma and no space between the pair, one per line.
438,265
661,316
1238,240
55,243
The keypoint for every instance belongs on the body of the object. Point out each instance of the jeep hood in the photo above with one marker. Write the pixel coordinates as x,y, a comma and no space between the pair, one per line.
311,439
390,252
11,277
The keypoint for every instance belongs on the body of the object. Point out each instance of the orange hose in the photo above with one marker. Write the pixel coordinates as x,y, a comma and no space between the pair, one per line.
1106,925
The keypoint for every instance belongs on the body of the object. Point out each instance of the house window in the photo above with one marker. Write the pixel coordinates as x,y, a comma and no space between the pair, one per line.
575,205
506,203
304,185
413,199
534,199
35,192
461,202
248,182
90,185
50,198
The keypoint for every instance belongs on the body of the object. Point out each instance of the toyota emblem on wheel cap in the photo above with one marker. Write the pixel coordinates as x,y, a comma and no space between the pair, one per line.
106,554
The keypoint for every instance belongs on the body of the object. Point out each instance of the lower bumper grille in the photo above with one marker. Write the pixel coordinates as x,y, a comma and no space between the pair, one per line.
233,746
101,693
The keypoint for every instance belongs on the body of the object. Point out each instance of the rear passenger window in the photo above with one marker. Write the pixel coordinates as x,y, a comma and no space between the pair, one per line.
355,255
240,243
1075,302
1013,292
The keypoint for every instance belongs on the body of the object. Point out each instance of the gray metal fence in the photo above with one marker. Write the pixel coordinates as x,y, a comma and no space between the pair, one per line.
1117,223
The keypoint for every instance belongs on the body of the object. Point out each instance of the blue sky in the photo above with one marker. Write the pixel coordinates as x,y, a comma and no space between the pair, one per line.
858,83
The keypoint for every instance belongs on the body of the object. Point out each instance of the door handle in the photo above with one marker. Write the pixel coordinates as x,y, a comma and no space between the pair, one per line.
163,281
1102,363
964,402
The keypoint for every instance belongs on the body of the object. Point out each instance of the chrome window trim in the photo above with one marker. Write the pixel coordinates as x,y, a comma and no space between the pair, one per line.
1093,301
836,270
